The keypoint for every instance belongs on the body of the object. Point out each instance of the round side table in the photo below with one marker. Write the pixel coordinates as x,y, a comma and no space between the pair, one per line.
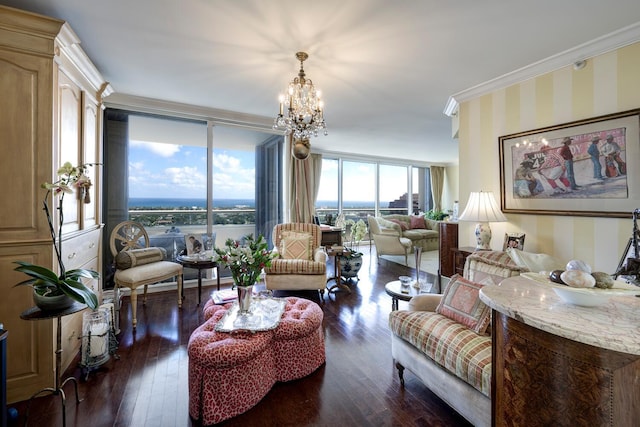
34,313
394,290
199,264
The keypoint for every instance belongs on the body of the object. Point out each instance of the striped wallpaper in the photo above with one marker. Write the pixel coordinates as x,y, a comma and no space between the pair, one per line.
609,83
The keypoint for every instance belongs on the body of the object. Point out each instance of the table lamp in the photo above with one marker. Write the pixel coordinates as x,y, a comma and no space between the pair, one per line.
482,208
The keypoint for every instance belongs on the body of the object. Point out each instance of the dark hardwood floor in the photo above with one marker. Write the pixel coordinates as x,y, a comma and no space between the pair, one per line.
358,385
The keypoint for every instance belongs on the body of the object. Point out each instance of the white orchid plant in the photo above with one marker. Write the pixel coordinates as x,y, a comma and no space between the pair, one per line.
357,232
44,281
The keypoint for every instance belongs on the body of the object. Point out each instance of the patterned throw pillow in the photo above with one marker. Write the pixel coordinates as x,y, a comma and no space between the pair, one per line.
402,225
461,302
294,245
417,222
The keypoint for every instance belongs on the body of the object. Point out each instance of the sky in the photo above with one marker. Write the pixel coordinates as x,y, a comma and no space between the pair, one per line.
160,170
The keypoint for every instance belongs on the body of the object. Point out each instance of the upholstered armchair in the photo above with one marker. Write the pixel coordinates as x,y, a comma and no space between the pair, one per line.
300,263
388,239
137,264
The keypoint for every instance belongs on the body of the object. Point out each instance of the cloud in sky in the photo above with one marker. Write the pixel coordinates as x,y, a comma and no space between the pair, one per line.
173,171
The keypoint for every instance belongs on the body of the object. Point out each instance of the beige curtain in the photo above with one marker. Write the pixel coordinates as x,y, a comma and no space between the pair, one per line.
437,184
304,181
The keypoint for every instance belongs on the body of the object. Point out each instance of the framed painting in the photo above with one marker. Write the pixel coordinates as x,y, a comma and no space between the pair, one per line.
588,167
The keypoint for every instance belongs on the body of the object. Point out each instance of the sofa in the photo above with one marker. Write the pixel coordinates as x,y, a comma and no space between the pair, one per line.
448,351
421,231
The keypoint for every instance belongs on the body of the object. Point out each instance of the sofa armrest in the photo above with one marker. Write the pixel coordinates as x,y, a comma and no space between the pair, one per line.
425,302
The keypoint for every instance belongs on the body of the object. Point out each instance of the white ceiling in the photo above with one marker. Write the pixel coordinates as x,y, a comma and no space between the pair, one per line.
386,68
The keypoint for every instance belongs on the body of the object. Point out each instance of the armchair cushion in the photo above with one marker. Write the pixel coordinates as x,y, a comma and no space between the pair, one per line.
461,302
135,257
294,245
295,266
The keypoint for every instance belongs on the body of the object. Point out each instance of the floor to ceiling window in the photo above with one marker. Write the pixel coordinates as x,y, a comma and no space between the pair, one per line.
360,188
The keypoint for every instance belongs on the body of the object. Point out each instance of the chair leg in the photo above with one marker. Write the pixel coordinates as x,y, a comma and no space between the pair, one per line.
134,306
180,285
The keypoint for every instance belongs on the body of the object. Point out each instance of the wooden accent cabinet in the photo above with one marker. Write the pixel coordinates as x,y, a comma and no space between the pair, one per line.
51,107
542,379
448,239
460,257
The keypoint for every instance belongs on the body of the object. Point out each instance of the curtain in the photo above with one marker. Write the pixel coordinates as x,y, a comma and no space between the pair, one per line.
304,181
437,184
268,186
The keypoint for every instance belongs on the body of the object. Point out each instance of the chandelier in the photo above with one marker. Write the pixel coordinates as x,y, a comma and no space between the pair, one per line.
301,111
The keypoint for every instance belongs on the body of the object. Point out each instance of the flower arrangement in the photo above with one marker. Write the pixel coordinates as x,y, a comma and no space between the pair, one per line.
357,233
247,260
44,281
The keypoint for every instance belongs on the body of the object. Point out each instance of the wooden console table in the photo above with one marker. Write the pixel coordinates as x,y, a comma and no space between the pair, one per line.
559,364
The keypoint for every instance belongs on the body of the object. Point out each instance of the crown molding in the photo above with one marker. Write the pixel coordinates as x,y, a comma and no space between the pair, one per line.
69,45
193,112
609,42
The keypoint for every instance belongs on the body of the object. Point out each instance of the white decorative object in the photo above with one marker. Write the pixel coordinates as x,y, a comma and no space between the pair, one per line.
482,208
576,264
588,297
578,279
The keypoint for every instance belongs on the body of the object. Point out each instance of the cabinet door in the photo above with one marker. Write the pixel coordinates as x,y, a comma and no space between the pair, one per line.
69,137
91,154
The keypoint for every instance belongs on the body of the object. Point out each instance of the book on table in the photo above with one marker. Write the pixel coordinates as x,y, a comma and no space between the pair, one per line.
224,296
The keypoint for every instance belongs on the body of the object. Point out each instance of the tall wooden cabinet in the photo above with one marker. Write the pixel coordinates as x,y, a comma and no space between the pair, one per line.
448,235
51,101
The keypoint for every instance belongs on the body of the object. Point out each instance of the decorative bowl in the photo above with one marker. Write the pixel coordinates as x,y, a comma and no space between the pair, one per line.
590,297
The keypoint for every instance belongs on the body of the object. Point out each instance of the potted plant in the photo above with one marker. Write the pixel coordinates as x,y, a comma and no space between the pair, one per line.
351,261
436,215
52,291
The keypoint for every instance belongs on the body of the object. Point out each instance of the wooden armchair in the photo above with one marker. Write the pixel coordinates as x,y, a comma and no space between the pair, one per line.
301,263
137,264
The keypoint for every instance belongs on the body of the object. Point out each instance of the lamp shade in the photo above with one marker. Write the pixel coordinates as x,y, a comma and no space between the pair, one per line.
482,207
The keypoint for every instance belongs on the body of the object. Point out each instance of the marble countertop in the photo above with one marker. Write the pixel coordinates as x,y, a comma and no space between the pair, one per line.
613,326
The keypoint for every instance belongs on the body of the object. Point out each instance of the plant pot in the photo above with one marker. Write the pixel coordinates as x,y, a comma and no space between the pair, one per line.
350,265
52,303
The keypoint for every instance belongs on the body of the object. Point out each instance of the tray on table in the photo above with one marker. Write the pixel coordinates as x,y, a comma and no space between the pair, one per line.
264,315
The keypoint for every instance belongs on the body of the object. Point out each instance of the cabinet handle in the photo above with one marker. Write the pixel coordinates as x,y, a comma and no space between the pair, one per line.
92,245
71,256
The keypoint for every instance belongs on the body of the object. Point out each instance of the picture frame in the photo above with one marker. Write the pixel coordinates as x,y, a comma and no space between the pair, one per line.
193,244
513,240
534,175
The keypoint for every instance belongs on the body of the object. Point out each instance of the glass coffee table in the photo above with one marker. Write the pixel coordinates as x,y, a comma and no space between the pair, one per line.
396,292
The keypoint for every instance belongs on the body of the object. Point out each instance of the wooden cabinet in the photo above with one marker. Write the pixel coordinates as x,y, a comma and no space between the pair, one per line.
542,379
51,113
460,257
448,239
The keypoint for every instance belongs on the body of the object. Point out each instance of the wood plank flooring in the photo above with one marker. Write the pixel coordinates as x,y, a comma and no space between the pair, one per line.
358,386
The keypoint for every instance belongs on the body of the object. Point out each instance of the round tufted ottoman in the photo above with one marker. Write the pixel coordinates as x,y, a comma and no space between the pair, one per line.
229,373
299,340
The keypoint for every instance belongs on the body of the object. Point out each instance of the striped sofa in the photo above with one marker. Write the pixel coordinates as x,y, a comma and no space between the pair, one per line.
450,359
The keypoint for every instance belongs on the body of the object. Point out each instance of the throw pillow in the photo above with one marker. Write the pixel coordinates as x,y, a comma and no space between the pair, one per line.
134,257
294,245
461,302
402,225
417,222
535,262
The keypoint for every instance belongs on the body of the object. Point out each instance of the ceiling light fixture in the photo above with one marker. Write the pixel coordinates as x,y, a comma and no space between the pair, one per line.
301,112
